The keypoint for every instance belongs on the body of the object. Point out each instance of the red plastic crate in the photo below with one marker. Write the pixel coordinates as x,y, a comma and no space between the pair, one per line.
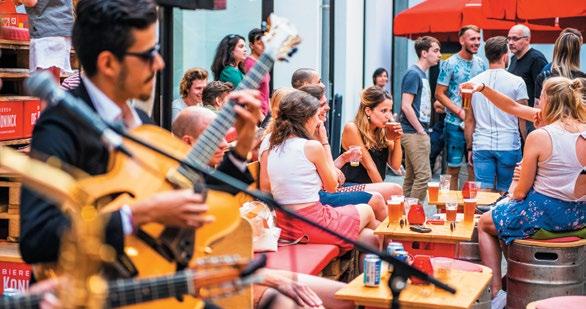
32,111
431,248
11,122
7,6
17,20
15,275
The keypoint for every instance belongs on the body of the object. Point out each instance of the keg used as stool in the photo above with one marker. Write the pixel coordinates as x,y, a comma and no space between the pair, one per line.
469,250
538,270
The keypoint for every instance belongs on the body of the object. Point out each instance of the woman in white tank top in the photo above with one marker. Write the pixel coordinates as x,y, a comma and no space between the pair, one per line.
298,166
550,192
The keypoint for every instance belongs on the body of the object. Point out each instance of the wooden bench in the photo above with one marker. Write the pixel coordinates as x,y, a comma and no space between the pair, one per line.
308,259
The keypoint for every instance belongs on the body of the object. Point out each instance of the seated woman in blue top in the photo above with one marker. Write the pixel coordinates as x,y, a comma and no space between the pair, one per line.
228,64
550,192
379,140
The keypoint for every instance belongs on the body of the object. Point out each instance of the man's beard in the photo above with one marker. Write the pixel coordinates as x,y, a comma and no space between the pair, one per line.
471,52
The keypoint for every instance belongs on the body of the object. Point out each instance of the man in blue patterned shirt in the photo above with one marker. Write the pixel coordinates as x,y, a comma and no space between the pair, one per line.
459,68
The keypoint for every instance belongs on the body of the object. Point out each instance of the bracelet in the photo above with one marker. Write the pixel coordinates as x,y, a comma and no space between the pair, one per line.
483,86
325,144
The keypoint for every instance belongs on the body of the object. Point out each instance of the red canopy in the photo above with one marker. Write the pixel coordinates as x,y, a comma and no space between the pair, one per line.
567,13
442,19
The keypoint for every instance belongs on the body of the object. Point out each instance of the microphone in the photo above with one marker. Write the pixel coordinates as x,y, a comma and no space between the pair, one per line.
42,84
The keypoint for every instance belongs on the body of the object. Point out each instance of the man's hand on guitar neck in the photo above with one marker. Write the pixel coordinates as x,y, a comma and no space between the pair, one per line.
248,115
180,208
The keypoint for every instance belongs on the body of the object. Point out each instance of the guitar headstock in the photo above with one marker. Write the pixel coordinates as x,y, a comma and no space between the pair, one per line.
281,39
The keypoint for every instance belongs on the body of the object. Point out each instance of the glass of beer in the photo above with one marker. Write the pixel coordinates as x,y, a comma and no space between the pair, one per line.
451,210
395,208
432,191
469,209
356,154
466,98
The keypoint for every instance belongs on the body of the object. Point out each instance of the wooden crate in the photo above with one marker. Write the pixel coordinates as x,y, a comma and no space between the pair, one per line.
9,206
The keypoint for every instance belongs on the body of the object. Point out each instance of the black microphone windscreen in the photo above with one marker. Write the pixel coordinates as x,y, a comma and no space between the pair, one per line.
42,85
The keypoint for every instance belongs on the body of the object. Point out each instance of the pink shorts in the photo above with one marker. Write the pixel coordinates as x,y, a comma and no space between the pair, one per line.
344,220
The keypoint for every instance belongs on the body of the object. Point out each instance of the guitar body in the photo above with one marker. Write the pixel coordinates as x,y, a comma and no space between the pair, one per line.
140,177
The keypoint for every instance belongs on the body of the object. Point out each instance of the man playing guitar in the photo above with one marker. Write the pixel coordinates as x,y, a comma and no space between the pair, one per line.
116,43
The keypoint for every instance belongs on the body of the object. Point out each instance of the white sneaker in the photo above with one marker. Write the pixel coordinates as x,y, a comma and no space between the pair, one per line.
499,301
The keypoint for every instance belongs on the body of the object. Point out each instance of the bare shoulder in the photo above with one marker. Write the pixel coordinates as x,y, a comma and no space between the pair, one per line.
350,127
539,142
313,150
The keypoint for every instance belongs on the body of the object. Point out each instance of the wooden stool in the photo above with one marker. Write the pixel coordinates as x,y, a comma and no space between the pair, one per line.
538,269
565,302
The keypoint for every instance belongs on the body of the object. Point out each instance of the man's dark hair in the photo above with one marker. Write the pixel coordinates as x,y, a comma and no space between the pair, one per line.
466,28
301,77
254,35
213,90
106,25
423,43
315,91
495,48
378,72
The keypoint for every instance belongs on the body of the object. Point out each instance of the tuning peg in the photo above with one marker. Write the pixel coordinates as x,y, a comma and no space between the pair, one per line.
292,52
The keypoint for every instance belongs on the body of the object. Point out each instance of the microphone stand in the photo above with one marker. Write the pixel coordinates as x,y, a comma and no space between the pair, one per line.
401,270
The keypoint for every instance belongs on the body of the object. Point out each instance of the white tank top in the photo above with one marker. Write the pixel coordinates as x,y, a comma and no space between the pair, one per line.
294,179
556,177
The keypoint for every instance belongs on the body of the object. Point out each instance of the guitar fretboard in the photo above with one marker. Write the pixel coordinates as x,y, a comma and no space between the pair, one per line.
129,292
21,301
209,140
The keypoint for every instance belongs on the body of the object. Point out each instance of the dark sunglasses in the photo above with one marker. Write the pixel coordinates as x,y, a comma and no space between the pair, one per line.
147,56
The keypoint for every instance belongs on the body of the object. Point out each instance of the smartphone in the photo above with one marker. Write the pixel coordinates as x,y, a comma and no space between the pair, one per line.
419,229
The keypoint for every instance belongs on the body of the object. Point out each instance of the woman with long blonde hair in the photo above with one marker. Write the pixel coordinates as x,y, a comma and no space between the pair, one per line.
565,61
379,138
550,192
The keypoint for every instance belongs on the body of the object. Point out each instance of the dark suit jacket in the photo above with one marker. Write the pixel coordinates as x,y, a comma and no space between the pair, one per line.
227,167
59,134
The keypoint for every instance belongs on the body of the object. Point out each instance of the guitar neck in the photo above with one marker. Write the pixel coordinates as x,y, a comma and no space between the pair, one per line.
21,301
130,292
209,140
121,292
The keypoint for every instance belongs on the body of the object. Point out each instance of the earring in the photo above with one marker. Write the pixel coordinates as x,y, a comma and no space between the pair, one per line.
368,117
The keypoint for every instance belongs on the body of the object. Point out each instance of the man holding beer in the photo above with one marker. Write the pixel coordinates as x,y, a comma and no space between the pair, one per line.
459,68
492,136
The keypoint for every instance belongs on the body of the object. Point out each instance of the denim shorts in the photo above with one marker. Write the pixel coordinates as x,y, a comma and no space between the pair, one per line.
490,165
338,199
455,145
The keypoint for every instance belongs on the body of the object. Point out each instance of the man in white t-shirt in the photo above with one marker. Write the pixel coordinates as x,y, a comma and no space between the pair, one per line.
492,136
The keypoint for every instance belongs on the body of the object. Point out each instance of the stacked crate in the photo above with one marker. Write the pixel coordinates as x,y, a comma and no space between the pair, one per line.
18,114
9,206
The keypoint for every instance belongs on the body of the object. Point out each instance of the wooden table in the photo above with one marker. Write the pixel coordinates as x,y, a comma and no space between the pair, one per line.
439,233
469,286
482,198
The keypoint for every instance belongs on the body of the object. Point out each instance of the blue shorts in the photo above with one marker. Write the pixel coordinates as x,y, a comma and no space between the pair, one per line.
500,165
455,145
338,199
